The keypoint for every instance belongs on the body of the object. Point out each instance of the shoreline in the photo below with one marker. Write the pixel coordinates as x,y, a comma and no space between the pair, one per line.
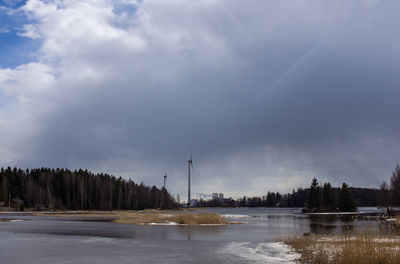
145,217
348,248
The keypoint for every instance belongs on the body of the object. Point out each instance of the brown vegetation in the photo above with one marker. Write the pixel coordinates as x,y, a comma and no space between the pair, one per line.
200,219
147,217
347,249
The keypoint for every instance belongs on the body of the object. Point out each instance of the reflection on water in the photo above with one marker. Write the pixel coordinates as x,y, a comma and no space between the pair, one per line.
257,224
318,228
252,241
323,224
340,224
188,231
286,222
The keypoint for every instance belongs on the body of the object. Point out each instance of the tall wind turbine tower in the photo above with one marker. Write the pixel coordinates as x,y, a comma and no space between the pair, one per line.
165,179
190,164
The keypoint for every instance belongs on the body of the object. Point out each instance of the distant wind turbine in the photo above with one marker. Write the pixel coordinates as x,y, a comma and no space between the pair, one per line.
165,178
190,164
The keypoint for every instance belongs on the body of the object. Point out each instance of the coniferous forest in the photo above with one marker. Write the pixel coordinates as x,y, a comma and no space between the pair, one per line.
83,190
79,190
316,198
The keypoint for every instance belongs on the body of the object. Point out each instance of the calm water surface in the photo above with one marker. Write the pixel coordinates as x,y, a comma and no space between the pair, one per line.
56,240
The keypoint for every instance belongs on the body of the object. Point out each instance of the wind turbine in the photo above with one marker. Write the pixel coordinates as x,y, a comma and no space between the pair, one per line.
190,164
165,178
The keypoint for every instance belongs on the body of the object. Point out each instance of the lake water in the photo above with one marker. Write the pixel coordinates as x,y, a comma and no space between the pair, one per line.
61,240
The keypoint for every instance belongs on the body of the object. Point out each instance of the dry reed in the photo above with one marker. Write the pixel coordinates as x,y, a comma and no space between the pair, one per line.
347,249
147,217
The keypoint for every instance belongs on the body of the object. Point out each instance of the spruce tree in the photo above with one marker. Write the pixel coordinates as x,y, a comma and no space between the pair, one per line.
314,196
328,198
346,201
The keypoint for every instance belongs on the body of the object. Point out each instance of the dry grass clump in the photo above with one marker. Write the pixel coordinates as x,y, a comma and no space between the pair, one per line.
78,214
199,219
147,217
347,249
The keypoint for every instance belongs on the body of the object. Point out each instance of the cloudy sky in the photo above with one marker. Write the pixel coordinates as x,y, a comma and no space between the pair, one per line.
267,94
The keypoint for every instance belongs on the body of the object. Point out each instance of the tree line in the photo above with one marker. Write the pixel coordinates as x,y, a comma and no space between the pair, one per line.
79,190
324,199
316,198
389,195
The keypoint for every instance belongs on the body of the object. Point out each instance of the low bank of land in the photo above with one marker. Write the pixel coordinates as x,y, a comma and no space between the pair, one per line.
382,247
151,217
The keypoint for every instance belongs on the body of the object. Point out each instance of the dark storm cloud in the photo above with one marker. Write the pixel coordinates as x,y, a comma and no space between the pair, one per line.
276,91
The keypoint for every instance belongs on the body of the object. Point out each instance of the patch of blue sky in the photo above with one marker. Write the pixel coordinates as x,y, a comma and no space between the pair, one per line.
14,49
122,7
13,3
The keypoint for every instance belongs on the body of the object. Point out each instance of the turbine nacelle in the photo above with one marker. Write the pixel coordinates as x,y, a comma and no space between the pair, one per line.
190,161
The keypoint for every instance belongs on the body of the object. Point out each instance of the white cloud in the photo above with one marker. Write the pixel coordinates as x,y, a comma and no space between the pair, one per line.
27,82
29,31
5,29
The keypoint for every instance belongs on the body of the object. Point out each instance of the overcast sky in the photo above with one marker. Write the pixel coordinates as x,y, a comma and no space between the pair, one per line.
267,94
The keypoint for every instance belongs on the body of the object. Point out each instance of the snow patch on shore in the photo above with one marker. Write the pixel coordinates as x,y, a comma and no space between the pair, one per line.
211,224
235,216
361,239
177,224
274,252
11,220
167,223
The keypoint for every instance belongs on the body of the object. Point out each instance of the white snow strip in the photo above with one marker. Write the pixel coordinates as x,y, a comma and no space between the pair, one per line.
235,216
168,223
375,240
274,252
211,224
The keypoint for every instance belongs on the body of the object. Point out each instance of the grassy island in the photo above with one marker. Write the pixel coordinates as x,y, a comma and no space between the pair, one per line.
147,217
